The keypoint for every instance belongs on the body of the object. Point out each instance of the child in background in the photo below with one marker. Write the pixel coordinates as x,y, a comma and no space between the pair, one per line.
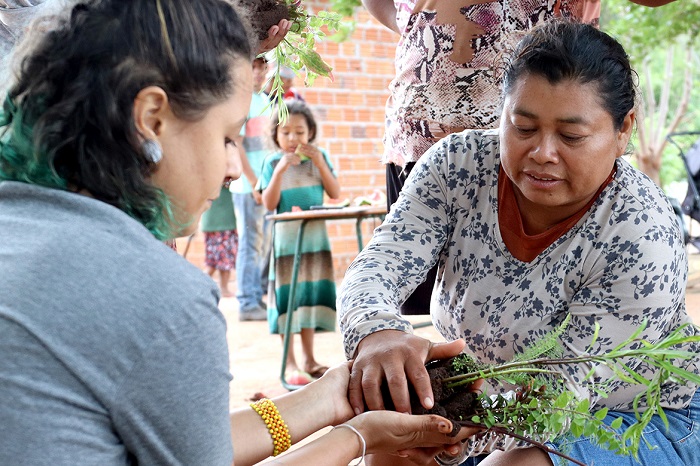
221,239
297,176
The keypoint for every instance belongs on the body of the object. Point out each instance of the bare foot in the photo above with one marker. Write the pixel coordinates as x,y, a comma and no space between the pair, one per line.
226,293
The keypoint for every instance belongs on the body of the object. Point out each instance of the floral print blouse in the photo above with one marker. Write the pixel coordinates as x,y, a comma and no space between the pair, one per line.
623,262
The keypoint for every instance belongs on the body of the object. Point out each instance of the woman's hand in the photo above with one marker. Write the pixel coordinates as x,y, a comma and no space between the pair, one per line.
332,389
397,358
275,35
421,437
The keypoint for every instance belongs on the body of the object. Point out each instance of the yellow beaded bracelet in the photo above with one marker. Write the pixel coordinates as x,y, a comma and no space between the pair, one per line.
281,440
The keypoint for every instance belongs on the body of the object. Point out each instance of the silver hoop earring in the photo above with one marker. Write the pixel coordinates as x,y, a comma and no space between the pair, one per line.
152,150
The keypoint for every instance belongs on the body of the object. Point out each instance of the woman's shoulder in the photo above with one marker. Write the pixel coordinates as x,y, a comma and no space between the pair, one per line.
634,207
636,187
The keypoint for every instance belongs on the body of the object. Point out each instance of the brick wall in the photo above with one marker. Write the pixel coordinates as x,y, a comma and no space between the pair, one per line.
350,113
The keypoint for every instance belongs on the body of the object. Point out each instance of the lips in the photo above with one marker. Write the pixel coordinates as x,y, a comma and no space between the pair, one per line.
542,180
541,176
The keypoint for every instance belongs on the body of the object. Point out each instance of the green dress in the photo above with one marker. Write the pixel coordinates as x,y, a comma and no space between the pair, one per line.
315,293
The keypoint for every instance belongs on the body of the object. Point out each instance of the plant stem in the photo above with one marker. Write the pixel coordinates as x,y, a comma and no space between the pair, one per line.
541,446
649,354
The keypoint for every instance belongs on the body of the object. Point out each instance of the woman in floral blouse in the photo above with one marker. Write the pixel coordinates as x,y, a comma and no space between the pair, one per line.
530,224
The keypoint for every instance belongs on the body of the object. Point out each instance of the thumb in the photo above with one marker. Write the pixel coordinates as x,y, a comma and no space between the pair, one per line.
445,350
432,423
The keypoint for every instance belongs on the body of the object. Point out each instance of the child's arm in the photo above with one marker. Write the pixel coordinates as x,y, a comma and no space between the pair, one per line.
271,194
330,182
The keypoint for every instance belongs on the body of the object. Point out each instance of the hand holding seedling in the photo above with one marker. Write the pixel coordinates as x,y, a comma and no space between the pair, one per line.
542,407
275,35
418,437
398,358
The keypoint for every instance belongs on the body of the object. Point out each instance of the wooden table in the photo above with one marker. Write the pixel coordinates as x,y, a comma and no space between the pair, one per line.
359,214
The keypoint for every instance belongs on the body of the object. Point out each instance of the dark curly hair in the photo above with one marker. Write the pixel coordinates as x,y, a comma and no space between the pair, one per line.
561,49
68,117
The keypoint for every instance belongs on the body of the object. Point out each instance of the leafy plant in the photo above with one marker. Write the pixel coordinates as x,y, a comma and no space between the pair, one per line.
542,404
297,49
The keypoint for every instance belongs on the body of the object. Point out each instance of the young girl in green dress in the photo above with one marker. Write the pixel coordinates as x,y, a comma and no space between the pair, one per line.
297,176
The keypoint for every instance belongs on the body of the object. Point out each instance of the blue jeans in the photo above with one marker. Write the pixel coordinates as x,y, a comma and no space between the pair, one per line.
677,446
252,251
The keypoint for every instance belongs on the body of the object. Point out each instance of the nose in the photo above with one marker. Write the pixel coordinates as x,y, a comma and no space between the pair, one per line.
545,150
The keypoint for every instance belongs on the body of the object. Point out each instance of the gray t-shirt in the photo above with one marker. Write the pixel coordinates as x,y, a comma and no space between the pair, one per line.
112,348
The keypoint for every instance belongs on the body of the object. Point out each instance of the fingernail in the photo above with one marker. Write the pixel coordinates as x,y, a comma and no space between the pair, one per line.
428,402
357,411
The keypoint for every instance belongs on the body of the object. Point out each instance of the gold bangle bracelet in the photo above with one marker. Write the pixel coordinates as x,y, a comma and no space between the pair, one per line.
281,439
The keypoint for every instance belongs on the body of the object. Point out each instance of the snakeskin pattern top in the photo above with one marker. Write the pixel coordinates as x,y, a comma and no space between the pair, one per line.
445,80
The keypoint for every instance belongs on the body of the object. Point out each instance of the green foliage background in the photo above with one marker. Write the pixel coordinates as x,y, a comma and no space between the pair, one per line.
647,33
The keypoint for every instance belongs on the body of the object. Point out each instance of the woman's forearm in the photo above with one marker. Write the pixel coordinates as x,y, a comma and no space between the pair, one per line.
304,411
336,448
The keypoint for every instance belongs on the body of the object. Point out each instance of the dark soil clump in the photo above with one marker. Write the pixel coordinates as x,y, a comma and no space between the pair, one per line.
456,404
263,14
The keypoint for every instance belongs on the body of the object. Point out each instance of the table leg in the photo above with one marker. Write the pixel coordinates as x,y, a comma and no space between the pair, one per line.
358,231
291,306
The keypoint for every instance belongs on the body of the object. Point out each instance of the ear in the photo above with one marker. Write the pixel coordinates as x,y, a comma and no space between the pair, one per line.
623,137
151,111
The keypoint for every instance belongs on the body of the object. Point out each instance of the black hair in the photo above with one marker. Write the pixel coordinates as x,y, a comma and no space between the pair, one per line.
295,107
564,50
68,116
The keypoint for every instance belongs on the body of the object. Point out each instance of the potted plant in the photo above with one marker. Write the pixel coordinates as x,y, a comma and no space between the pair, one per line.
541,403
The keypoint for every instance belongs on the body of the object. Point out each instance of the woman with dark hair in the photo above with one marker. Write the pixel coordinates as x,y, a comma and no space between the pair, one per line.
530,225
117,133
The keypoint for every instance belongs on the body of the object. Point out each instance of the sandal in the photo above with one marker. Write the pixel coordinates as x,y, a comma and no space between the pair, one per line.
318,371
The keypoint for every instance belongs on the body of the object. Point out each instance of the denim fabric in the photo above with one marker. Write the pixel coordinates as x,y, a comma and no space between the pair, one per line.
250,261
677,446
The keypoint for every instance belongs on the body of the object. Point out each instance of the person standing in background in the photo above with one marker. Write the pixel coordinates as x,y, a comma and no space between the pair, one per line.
445,82
296,177
220,239
253,236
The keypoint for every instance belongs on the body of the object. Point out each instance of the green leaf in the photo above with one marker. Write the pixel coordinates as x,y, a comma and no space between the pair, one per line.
617,423
601,413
